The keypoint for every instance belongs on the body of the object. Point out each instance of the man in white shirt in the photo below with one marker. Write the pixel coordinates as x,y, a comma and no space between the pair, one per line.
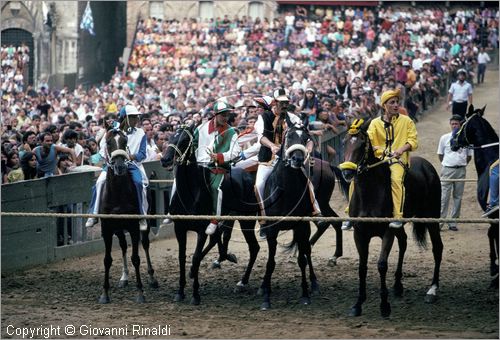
460,95
482,59
454,164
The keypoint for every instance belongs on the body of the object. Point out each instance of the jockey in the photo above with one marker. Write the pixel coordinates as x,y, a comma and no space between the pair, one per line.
216,146
136,148
271,126
392,135
248,141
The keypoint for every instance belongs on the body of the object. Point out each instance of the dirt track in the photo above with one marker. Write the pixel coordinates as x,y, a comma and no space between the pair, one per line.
66,293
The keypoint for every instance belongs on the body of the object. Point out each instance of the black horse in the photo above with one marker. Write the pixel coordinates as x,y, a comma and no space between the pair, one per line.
192,197
477,131
286,194
119,197
372,198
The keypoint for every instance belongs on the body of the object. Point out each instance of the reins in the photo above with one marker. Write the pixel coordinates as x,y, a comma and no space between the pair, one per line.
182,155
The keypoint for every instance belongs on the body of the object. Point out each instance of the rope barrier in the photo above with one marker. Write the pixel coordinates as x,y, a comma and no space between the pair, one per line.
442,180
255,218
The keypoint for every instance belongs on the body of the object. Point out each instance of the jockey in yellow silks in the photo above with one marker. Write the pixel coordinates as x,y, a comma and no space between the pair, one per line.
393,135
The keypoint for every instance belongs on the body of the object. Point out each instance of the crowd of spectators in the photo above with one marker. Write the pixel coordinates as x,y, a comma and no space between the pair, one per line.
335,63
14,63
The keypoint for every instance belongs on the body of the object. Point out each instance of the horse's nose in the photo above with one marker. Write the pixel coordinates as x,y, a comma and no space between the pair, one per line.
297,159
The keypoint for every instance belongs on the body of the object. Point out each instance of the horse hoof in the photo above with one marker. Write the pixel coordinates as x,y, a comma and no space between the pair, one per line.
216,264
179,297
398,290
305,301
154,284
385,310
195,300
232,258
240,287
104,299
260,292
123,283
430,298
265,306
315,287
332,261
140,299
355,311
494,283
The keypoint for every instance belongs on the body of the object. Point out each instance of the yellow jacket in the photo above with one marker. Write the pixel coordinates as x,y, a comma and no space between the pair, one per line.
402,130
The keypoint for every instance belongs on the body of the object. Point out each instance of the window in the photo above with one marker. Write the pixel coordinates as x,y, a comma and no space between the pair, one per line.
256,9
156,9
206,10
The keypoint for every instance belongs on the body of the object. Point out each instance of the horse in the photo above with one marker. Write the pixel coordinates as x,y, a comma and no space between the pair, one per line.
372,198
119,197
477,131
286,192
192,197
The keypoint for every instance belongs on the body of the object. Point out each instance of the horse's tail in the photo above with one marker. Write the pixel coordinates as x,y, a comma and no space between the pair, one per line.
420,233
344,186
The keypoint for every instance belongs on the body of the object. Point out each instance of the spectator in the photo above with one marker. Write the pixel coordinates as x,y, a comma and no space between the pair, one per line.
454,167
460,95
482,59
46,155
27,169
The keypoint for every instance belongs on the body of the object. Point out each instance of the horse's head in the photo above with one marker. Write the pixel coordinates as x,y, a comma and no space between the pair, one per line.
294,146
356,149
116,146
469,133
180,147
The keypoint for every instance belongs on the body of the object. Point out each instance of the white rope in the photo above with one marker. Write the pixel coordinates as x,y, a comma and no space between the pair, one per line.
255,218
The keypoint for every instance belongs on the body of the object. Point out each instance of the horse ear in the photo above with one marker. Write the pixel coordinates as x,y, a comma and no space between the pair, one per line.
288,121
470,111
365,125
482,110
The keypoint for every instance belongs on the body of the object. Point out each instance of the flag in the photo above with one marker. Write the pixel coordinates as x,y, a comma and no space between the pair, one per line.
87,20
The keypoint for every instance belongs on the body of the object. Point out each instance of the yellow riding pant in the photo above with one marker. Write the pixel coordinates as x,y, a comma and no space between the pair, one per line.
397,180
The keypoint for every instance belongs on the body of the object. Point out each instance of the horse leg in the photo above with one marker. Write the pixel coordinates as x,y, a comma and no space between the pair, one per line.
136,261
181,235
437,252
362,245
398,275
195,266
227,231
212,241
272,243
493,240
312,274
305,299
387,241
153,282
107,235
247,228
123,245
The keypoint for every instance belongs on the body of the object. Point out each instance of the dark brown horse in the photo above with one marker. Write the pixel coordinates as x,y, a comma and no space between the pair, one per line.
372,198
119,197
478,133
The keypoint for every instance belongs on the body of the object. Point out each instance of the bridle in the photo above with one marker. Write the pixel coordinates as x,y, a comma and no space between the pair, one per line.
287,150
464,131
117,153
183,155
363,165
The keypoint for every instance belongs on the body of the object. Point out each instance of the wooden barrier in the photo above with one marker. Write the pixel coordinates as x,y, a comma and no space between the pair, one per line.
28,241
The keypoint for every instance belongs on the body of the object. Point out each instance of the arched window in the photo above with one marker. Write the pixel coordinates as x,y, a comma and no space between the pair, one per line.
206,10
156,9
256,9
